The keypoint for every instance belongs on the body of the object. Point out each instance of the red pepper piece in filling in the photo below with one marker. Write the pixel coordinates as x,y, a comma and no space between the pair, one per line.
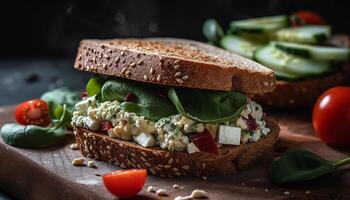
106,125
204,141
130,97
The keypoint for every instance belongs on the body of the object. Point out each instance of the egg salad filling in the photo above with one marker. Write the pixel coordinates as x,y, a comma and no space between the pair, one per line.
172,133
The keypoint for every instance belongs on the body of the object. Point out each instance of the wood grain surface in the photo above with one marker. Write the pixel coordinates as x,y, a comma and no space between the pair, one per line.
49,174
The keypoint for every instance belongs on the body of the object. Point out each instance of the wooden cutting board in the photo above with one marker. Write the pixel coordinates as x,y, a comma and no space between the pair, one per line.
49,174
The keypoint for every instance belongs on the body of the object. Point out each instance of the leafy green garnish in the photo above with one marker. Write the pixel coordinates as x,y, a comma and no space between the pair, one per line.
32,136
94,85
212,31
147,103
301,165
207,106
57,97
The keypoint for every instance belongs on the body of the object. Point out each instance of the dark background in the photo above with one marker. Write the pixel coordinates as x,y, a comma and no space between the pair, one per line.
39,38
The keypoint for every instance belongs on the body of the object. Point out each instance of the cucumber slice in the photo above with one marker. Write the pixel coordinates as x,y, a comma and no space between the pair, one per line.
314,52
286,76
239,45
259,25
212,31
283,62
304,34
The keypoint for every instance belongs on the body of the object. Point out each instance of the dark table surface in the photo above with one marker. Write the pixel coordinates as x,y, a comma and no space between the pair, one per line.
27,79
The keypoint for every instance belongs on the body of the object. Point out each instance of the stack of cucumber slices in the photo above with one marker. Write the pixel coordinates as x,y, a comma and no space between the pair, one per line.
292,52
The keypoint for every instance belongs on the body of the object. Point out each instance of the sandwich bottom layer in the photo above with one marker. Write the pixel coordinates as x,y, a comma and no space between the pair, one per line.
126,154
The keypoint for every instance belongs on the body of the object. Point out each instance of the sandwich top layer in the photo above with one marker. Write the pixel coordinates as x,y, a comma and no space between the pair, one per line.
174,62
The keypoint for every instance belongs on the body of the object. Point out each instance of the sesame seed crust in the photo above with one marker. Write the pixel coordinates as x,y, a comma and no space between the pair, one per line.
126,154
178,62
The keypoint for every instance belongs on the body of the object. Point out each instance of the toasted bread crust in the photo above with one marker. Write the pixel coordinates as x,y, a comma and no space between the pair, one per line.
127,154
301,94
174,62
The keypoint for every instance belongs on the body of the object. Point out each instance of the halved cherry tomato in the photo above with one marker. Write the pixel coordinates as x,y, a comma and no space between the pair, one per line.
304,17
331,116
125,183
106,125
204,141
35,112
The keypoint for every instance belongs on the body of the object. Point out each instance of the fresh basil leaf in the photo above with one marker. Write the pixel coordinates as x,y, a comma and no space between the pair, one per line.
32,136
298,166
94,85
148,103
207,106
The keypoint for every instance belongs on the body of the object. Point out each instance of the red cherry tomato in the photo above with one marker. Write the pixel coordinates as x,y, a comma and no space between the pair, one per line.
125,183
331,116
204,141
33,112
304,17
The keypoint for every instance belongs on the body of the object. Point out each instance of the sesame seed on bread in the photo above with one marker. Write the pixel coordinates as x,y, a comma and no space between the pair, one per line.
174,62
126,154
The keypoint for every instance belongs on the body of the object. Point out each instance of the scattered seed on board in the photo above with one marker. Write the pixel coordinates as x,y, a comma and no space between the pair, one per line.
176,186
151,189
307,192
91,164
78,161
286,193
161,192
74,146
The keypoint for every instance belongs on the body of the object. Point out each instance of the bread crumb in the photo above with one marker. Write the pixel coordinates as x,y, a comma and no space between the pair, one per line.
161,192
307,192
286,193
176,186
204,178
78,161
266,190
74,146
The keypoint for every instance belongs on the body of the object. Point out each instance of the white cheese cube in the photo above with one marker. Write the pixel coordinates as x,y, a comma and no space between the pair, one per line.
82,105
92,124
192,148
229,135
145,140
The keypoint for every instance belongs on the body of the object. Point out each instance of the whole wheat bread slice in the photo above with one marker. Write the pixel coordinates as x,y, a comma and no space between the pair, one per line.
174,62
159,162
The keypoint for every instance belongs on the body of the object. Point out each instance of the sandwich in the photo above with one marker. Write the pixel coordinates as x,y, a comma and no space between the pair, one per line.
305,56
172,106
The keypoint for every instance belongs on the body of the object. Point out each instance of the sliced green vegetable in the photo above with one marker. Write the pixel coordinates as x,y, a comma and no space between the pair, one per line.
305,34
148,102
212,31
301,165
285,76
207,106
32,136
239,45
259,29
314,52
283,62
94,86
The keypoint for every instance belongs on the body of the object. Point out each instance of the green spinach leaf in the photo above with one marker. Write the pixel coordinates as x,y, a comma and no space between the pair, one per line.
301,165
94,85
147,103
32,136
57,97
208,106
